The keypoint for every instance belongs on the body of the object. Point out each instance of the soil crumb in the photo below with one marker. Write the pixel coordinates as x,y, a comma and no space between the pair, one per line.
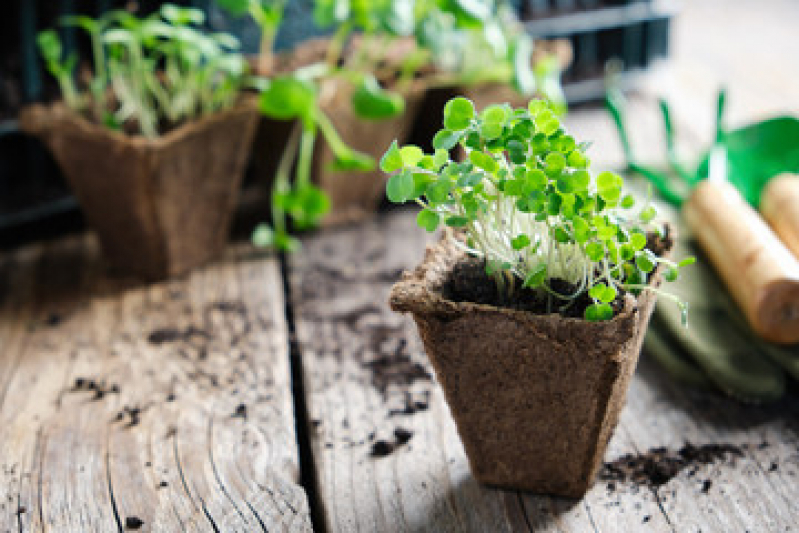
99,388
659,465
382,448
164,335
133,522
241,412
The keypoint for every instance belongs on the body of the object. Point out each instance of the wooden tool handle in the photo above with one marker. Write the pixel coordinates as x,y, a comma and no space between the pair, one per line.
779,205
760,272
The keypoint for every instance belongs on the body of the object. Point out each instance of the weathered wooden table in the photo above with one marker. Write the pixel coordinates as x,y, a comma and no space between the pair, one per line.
259,395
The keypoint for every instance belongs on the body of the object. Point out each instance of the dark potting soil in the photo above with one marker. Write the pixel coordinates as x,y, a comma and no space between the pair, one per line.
659,465
469,282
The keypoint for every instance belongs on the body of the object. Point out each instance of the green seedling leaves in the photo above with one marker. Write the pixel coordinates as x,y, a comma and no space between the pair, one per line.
457,221
458,114
265,237
648,214
520,242
428,220
352,160
484,161
372,102
287,98
392,159
536,277
446,139
411,155
602,293
400,187
646,261
638,241
598,312
525,181
182,16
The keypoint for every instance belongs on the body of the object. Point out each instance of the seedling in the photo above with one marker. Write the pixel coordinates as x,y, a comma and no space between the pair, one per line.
268,14
529,206
150,73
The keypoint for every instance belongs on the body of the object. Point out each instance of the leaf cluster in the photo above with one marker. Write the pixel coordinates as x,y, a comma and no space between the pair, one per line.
149,72
528,203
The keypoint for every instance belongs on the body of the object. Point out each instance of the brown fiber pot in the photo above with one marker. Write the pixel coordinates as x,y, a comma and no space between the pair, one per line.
535,397
160,206
356,195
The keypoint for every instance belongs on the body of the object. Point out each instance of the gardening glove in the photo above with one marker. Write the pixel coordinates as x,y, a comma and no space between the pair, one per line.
716,347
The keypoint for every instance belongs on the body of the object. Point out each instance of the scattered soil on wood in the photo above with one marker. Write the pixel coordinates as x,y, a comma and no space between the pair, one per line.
99,388
133,522
382,447
658,466
396,369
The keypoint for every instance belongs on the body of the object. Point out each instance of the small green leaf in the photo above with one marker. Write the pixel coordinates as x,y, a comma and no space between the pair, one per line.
484,161
648,214
446,139
555,161
428,220
440,158
672,274
537,180
646,261
687,261
411,155
349,160
598,312
458,114
497,114
287,97
536,277
438,192
535,107
520,241
263,236
400,187
372,102
470,180
638,240
491,130
392,160
628,201
576,159
457,221
594,251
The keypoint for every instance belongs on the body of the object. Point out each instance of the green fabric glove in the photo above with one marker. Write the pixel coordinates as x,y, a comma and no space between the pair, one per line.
717,344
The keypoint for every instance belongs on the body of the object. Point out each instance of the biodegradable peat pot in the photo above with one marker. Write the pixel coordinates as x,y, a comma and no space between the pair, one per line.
535,397
160,206
356,195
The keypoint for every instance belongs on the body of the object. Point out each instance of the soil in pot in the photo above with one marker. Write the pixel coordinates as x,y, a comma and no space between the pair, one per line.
160,206
535,396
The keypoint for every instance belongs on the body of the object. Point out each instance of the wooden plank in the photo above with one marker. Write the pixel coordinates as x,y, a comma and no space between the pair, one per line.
164,408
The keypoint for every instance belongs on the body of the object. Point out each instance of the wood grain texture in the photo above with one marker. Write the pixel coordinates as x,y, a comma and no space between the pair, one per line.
166,407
